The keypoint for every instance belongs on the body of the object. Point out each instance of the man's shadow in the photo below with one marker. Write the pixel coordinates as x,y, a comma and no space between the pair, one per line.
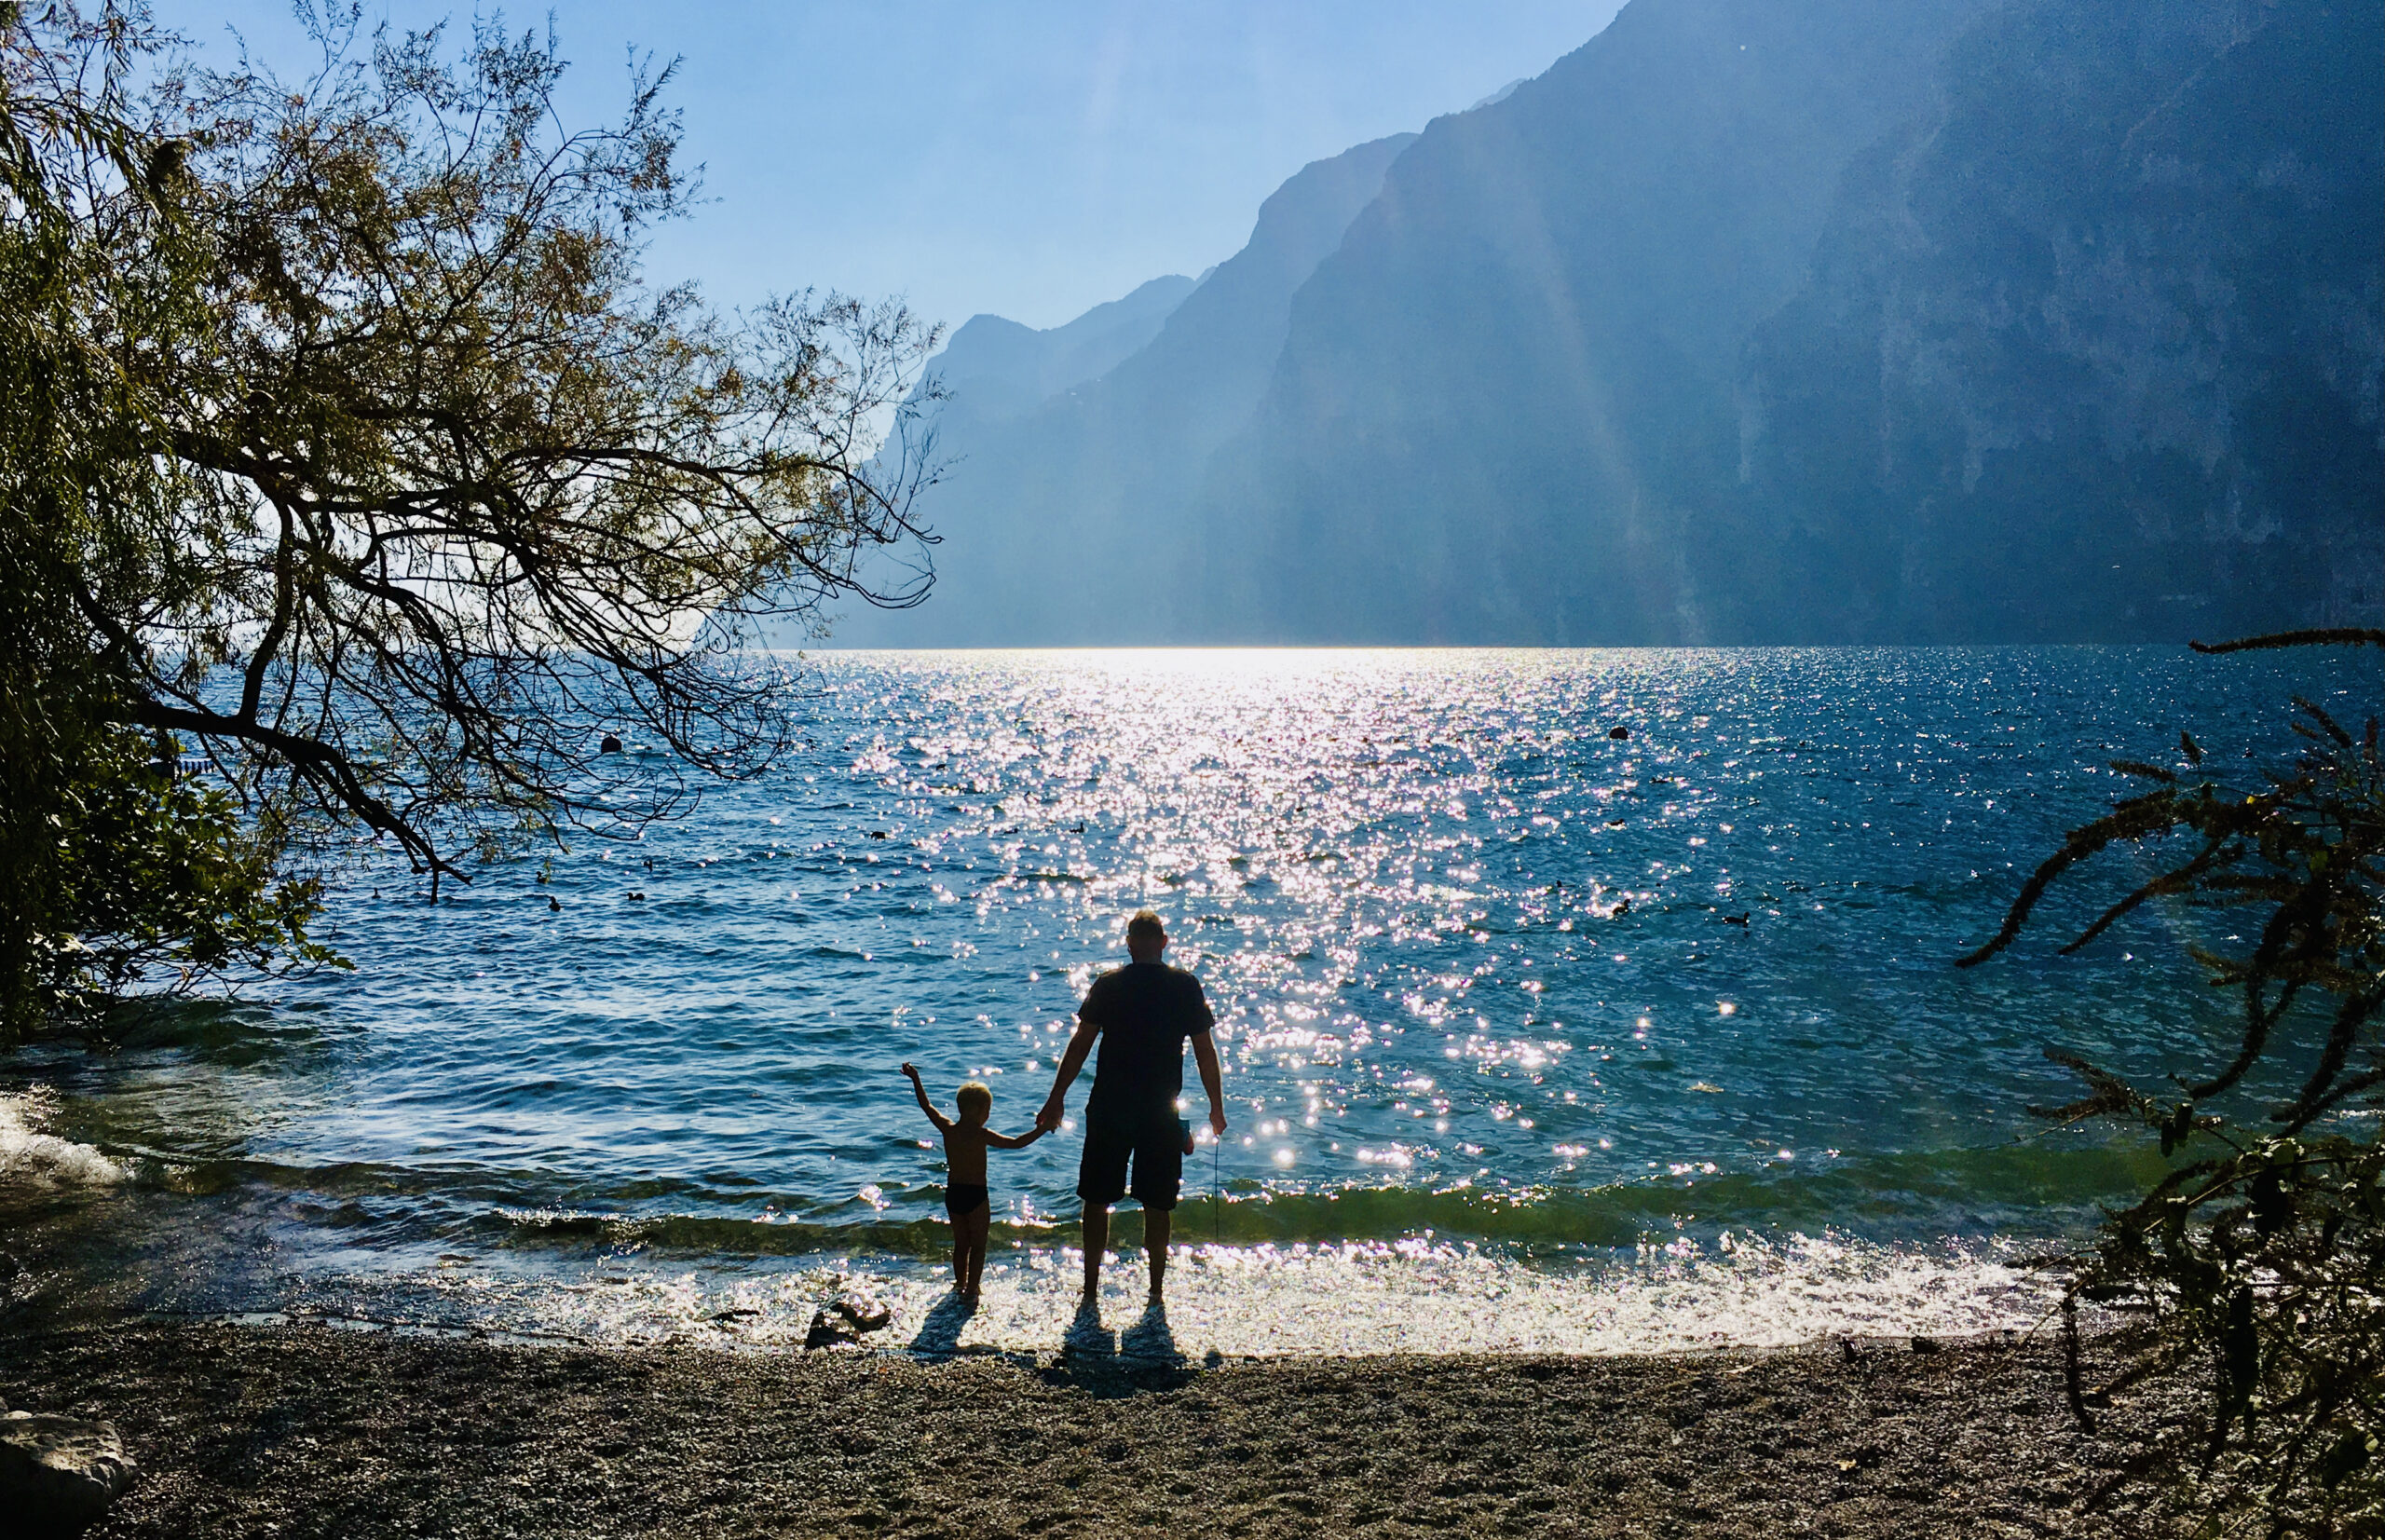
1148,1341
1088,1340
1144,1358
940,1333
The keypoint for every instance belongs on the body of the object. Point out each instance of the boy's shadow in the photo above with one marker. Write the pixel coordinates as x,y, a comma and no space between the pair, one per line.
940,1333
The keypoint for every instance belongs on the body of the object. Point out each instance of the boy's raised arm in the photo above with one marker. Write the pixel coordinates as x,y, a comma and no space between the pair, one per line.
943,1123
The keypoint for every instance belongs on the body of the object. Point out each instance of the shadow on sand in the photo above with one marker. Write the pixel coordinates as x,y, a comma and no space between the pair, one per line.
940,1333
1141,1359
1148,1341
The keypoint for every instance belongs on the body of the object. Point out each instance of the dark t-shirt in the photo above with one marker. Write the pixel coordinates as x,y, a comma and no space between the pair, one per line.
1144,1012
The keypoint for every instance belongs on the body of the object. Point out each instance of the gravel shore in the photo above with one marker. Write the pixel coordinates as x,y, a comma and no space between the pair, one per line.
305,1430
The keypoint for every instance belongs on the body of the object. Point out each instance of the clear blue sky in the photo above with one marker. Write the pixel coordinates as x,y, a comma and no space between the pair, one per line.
1029,159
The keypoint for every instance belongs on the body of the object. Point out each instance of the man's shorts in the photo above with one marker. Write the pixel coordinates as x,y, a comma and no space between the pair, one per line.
1154,1145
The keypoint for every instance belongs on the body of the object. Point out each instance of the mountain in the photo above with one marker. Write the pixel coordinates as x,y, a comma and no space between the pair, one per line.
1062,495
995,370
1503,400
2092,351
1853,321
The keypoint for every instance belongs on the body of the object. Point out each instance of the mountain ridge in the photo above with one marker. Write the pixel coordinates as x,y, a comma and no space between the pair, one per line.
1076,489
1889,321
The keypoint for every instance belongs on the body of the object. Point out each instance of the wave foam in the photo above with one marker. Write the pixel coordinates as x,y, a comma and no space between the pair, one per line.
1370,1298
27,1155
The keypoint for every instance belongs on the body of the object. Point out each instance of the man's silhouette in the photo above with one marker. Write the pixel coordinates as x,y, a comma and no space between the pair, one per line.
1142,1013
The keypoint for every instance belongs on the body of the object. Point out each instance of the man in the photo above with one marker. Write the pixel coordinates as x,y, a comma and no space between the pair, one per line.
1143,1013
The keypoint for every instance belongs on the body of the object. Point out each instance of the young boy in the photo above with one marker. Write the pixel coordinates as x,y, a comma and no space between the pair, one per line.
965,1197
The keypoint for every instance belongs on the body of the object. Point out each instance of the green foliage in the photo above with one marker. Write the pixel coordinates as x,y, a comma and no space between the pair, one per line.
109,871
343,438
2256,1266
168,881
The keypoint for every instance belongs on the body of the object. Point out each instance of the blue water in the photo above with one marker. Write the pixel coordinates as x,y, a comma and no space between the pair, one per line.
1481,983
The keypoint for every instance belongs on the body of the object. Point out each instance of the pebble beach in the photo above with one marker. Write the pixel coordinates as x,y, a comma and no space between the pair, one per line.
312,1431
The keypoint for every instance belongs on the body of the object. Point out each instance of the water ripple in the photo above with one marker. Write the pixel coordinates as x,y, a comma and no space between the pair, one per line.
1480,967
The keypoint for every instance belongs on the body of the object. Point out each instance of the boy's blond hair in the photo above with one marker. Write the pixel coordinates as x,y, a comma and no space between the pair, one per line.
976,1093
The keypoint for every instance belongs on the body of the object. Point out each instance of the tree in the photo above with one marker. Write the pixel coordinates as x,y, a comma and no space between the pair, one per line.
2259,1261
112,867
347,445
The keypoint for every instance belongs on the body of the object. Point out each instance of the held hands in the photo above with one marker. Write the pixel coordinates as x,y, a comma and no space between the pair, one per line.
1049,1118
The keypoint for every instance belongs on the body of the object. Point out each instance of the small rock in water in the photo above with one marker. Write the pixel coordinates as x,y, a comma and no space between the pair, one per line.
609,744
57,1475
825,1333
1619,734
1923,1345
865,1315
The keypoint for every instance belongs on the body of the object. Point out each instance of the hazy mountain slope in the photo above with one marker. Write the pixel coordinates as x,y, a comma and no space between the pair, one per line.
2092,352
1059,515
995,370
1844,321
1501,398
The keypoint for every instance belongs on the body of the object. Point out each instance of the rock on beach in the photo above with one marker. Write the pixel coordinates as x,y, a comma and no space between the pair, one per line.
57,1475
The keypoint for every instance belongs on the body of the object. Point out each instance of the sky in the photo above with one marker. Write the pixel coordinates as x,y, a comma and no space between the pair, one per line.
1030,158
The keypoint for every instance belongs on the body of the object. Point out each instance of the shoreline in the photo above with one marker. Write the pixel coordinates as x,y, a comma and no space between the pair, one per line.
305,1430
116,1253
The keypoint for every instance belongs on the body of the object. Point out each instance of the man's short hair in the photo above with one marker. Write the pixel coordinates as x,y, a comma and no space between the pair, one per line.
1145,926
976,1093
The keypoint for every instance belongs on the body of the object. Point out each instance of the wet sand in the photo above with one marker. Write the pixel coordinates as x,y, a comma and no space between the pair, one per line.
307,1430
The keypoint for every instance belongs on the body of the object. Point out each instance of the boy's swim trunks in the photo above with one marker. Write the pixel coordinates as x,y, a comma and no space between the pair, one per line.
963,1199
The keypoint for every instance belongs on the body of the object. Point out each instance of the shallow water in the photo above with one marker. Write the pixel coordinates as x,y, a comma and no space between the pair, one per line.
1512,1011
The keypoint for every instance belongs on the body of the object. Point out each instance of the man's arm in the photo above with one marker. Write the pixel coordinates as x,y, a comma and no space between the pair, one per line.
943,1123
1079,1045
1204,1054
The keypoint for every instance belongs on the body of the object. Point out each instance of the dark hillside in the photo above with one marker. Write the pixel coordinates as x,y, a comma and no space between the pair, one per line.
1507,397
1851,321
2092,352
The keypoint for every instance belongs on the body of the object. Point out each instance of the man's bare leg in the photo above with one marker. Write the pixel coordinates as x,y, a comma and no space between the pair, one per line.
1156,1224
1096,1240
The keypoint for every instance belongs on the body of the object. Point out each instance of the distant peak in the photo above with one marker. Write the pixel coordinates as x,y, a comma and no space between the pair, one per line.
1500,95
1001,368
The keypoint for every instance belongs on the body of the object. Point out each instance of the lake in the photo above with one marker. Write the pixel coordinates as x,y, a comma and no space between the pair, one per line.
1534,1036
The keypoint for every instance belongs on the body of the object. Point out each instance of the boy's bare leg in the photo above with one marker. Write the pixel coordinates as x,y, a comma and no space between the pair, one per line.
1156,1224
961,1256
977,1224
1096,1240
